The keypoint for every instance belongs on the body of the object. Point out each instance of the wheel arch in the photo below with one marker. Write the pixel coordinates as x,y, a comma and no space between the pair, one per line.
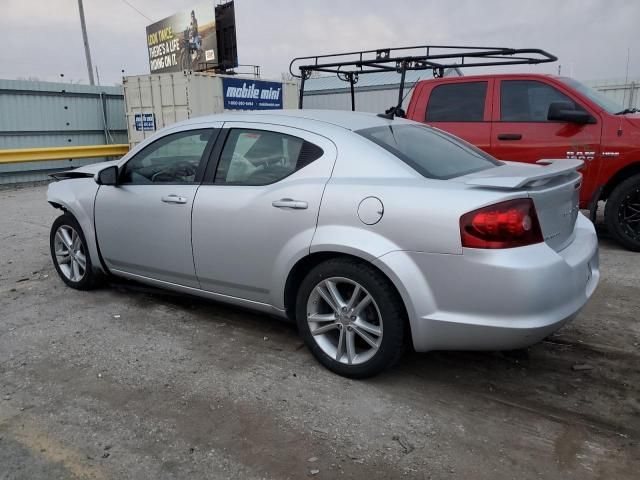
76,197
303,266
619,177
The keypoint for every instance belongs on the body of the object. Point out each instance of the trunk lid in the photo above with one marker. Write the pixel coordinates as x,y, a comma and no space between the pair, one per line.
554,187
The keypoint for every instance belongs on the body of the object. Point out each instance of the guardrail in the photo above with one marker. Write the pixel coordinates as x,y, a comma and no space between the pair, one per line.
20,155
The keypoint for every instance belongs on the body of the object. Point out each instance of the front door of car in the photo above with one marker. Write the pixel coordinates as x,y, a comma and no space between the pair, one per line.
143,224
256,212
522,132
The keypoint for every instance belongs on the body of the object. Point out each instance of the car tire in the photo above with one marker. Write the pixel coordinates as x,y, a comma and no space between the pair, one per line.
66,235
373,335
622,203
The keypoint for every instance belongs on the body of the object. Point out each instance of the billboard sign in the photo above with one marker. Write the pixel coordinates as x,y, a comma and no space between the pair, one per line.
226,35
183,41
243,94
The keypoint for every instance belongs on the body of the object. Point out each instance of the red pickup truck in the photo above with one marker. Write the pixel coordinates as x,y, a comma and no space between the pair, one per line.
529,117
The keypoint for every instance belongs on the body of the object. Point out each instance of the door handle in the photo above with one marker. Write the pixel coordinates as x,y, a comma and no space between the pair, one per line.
174,199
509,136
290,203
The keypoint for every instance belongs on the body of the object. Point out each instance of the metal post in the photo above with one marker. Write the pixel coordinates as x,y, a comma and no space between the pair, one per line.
302,79
105,119
401,90
353,95
87,53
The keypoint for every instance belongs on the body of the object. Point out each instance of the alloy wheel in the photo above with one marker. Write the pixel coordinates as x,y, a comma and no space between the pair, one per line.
344,320
629,214
70,253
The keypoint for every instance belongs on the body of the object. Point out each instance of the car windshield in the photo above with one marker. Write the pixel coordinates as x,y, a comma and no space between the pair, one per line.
596,97
431,152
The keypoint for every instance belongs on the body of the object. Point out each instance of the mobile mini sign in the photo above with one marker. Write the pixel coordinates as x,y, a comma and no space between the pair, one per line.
243,94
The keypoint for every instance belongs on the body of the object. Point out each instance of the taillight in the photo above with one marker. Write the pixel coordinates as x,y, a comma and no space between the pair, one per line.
509,224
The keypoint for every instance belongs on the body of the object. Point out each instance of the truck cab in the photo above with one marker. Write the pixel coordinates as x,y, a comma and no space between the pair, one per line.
529,117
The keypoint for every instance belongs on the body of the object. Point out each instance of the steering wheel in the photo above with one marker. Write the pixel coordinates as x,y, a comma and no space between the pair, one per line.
184,169
175,172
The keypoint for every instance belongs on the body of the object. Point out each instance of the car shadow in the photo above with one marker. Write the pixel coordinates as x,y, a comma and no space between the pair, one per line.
542,378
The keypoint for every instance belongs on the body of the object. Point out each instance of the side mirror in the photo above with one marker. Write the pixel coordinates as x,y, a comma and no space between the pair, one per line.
108,176
565,112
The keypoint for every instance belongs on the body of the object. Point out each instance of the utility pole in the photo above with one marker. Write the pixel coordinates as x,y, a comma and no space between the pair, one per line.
87,52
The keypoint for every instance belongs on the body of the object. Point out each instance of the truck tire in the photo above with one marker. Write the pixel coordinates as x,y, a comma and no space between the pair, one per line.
622,213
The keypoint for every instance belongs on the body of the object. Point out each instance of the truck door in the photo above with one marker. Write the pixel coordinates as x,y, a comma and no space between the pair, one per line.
462,108
522,132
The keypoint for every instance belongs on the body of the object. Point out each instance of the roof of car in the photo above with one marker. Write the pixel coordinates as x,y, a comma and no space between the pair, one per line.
299,118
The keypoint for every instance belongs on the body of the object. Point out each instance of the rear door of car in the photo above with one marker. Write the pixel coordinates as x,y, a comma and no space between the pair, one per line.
460,107
256,212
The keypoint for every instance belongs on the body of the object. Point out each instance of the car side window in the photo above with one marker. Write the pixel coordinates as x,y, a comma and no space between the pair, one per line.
260,157
173,159
529,100
457,102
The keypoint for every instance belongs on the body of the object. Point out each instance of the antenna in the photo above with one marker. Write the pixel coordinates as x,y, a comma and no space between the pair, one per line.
626,82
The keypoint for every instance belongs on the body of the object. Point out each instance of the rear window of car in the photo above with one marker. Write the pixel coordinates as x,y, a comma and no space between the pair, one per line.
432,153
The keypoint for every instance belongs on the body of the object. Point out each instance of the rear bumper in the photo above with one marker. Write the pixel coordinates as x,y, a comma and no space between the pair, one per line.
495,299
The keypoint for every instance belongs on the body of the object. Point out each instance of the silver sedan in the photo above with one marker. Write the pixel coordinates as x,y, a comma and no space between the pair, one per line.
372,234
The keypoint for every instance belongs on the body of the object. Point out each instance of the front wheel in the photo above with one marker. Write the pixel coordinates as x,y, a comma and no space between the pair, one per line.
70,254
351,318
622,213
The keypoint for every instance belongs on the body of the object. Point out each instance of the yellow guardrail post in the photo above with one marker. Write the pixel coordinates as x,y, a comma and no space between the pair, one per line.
20,155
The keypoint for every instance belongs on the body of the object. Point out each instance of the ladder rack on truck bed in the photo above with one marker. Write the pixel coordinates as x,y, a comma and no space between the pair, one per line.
348,66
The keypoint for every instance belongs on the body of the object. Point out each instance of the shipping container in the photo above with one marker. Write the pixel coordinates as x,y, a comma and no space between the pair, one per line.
157,100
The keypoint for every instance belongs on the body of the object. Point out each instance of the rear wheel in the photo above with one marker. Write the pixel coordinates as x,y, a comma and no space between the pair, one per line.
622,213
351,318
70,254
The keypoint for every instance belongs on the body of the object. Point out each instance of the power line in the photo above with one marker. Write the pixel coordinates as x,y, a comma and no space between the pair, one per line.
126,2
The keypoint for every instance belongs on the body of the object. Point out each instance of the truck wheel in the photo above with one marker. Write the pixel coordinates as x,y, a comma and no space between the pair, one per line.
622,213
351,318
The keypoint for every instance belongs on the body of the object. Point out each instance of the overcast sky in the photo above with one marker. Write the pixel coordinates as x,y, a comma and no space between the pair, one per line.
42,38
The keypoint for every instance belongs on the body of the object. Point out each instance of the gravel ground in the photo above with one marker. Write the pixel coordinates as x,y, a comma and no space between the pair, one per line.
129,382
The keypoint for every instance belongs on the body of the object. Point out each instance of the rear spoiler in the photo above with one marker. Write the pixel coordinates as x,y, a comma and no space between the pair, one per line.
515,178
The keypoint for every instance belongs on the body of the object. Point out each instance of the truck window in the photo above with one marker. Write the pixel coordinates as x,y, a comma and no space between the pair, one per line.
529,100
457,102
595,96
